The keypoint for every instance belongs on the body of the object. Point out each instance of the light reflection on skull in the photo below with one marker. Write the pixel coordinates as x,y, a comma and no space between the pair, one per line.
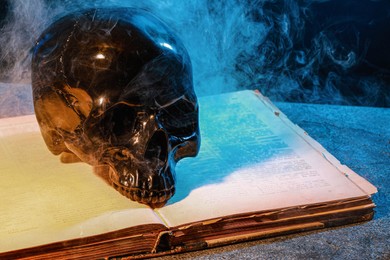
114,87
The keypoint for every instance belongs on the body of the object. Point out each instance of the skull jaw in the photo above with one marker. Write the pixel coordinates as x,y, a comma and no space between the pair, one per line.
143,191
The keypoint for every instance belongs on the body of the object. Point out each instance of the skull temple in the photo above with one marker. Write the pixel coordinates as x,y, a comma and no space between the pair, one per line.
114,87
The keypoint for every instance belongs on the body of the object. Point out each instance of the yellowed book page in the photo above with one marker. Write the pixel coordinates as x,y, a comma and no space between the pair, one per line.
251,160
366,186
44,201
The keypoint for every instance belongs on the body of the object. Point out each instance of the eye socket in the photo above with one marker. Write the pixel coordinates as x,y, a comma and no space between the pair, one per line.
121,120
115,125
179,118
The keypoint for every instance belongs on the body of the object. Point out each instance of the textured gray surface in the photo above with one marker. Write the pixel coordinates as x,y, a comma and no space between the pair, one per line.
358,136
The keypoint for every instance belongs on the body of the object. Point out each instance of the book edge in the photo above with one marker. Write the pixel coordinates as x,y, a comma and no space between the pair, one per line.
367,214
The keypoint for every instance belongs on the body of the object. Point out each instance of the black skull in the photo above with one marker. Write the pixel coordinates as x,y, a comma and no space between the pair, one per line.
114,87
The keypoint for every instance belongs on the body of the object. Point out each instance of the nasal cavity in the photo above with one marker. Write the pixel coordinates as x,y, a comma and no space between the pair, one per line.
157,147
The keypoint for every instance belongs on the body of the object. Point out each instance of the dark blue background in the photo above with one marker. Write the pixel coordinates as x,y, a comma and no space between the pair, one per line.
319,31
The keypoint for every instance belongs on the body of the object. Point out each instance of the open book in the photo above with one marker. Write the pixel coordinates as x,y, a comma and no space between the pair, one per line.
257,175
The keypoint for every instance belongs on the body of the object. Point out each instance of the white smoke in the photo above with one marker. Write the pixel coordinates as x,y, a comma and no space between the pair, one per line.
233,45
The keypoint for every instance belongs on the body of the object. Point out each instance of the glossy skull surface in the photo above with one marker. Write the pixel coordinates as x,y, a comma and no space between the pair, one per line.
114,87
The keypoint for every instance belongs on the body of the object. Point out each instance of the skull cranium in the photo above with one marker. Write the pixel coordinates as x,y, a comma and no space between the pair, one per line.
114,87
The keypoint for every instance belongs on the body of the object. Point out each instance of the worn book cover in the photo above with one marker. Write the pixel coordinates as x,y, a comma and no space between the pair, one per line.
257,175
